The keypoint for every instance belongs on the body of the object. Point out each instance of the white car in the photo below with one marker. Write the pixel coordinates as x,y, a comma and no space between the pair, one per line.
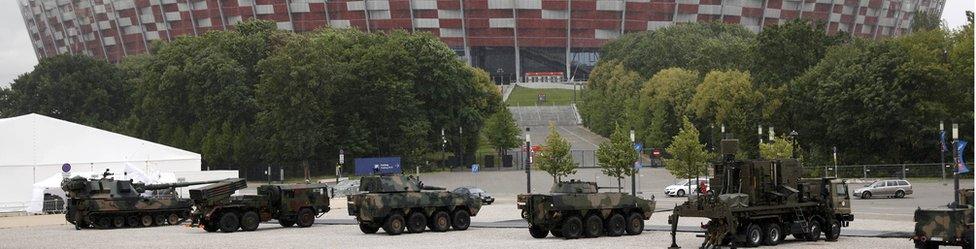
682,187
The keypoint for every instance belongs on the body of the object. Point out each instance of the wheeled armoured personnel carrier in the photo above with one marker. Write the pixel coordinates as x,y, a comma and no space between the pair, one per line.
948,225
397,203
109,203
575,209
760,202
216,208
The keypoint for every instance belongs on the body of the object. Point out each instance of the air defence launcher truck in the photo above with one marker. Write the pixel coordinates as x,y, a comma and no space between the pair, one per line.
948,225
218,209
398,202
760,202
110,203
575,209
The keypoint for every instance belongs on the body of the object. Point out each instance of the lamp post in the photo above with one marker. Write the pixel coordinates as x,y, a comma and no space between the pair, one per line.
528,161
633,177
759,155
955,174
793,135
942,150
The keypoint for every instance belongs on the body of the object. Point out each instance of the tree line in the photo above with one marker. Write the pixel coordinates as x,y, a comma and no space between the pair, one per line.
876,101
255,95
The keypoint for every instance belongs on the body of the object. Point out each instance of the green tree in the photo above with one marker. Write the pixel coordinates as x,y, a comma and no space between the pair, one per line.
727,97
616,157
689,158
502,132
779,148
925,20
664,98
554,157
701,47
611,92
75,88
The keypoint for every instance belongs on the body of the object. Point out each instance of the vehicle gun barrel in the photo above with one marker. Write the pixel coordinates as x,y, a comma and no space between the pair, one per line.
176,185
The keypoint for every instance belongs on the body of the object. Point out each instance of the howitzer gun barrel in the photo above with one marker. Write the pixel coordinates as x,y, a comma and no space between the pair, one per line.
432,188
176,185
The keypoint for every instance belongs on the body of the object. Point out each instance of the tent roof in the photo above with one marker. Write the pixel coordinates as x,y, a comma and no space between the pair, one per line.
35,139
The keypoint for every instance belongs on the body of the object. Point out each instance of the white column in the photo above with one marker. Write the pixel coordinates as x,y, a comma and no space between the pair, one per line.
569,39
162,13
47,27
518,58
67,39
464,33
762,15
142,28
118,31
81,36
193,21
413,28
98,28
288,10
623,17
24,16
366,14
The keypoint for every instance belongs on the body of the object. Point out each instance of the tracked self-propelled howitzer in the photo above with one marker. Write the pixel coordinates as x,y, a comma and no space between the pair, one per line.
575,209
760,202
947,225
217,208
398,202
109,203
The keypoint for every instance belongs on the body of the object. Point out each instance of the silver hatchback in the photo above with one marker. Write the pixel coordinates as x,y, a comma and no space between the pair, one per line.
885,188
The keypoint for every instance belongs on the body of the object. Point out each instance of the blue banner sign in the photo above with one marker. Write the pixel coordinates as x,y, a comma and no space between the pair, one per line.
377,166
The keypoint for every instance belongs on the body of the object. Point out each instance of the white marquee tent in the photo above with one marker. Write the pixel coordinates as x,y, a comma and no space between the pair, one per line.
34,147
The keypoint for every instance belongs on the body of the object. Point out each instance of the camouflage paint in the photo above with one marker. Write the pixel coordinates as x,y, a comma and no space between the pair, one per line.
577,197
278,201
946,225
91,200
383,195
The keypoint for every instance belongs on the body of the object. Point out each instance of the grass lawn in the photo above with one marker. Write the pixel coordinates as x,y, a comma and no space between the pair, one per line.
522,96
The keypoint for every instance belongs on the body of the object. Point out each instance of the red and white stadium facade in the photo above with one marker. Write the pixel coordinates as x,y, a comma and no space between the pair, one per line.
504,37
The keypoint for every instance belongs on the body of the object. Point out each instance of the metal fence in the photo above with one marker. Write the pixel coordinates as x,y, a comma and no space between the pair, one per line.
900,171
586,159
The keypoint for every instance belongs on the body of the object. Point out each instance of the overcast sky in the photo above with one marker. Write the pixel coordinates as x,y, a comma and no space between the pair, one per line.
17,57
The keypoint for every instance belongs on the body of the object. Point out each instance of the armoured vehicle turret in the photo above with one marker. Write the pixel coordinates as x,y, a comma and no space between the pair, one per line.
109,203
397,203
759,202
950,225
575,209
216,208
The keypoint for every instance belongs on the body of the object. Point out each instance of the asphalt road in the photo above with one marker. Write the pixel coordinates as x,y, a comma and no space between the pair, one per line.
348,236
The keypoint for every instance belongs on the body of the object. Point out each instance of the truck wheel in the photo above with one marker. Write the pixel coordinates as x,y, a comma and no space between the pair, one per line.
368,228
160,220
815,231
118,221
461,220
210,226
616,225
594,226
286,222
250,221
754,235
173,219
572,228
440,222
104,223
416,223
229,222
635,224
866,195
681,193
538,232
772,234
306,217
146,220
394,224
557,232
132,221
833,231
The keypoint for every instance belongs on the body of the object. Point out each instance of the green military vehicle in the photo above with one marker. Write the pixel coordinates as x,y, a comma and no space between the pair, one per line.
398,202
950,225
759,202
575,209
216,208
109,203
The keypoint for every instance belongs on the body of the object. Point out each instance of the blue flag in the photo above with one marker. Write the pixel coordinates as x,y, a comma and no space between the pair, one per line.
960,162
942,141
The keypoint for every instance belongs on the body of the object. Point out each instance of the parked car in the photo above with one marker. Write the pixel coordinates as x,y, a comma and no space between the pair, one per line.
885,188
684,187
476,192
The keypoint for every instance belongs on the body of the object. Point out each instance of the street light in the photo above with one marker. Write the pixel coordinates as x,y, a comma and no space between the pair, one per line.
793,135
942,150
528,161
955,174
633,178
